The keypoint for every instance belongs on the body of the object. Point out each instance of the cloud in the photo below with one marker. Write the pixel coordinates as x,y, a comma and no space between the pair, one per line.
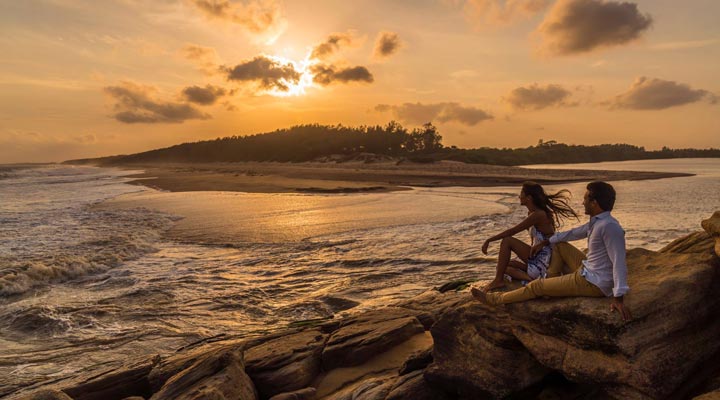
331,45
257,16
579,26
387,44
134,104
658,94
203,95
267,72
206,58
328,74
503,12
536,97
419,113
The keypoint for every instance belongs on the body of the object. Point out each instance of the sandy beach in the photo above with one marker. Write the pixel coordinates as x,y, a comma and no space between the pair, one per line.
349,177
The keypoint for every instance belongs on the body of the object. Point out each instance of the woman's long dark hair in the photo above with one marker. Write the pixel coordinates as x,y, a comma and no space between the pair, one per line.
555,205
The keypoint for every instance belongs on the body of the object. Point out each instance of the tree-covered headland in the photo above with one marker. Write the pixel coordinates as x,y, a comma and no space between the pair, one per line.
424,144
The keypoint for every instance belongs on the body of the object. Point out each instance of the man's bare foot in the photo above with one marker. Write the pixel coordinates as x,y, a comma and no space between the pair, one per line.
479,295
494,285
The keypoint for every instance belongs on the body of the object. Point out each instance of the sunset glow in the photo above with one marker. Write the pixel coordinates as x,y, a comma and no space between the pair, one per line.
85,79
294,88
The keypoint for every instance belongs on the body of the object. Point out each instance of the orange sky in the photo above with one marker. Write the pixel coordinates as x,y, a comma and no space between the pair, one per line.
85,78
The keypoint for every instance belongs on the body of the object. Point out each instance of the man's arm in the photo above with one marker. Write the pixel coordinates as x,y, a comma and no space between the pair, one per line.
614,239
567,236
577,233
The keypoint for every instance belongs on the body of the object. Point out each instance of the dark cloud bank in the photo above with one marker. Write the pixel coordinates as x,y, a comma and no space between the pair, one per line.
658,94
264,71
419,113
536,97
578,26
134,104
203,95
329,74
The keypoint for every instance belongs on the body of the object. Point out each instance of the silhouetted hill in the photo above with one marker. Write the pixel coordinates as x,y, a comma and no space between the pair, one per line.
312,142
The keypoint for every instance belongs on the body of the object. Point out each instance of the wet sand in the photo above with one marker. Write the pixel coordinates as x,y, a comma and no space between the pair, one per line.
351,177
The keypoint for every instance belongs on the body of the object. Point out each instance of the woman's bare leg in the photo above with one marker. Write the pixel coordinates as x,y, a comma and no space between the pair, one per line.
518,273
507,245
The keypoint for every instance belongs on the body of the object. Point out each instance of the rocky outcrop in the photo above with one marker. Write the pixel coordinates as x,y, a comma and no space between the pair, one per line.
712,227
476,354
673,332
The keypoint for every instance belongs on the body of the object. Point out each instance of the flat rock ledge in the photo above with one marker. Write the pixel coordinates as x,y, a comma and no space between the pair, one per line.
446,346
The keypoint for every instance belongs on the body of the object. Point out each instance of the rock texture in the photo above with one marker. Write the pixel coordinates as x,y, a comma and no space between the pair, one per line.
414,386
417,361
50,395
429,306
712,227
126,382
302,394
286,363
220,376
360,338
476,354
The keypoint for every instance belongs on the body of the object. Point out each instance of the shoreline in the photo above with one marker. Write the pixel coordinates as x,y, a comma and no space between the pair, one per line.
356,177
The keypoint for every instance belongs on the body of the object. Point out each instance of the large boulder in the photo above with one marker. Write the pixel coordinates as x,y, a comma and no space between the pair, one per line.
476,355
712,227
430,305
672,336
286,363
220,376
364,336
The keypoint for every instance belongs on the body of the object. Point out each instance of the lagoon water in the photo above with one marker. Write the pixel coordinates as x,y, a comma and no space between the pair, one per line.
95,272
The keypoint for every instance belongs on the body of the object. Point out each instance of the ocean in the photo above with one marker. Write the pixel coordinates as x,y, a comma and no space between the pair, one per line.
95,272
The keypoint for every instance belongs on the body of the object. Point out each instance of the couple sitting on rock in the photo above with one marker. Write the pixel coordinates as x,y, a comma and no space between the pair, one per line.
602,272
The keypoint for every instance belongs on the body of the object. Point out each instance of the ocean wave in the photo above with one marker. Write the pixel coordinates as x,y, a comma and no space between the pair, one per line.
45,320
117,237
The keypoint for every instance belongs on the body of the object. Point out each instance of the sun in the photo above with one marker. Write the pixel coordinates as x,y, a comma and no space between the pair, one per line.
294,88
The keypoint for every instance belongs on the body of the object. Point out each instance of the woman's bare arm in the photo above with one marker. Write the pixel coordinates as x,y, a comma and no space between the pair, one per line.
525,224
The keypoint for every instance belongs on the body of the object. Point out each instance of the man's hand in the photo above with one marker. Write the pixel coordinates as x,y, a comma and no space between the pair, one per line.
618,305
485,246
538,247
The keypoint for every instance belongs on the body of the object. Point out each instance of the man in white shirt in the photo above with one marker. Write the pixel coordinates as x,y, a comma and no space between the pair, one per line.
602,273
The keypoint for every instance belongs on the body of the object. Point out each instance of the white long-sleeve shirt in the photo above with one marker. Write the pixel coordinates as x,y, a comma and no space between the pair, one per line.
605,265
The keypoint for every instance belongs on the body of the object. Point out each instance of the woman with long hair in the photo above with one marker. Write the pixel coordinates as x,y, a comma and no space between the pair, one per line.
544,217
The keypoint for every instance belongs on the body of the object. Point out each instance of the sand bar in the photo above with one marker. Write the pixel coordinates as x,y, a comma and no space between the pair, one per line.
349,177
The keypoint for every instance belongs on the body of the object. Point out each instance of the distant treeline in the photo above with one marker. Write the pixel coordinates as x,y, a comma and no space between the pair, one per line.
311,142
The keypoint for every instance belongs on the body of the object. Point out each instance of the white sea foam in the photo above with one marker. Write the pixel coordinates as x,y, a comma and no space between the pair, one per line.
52,233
